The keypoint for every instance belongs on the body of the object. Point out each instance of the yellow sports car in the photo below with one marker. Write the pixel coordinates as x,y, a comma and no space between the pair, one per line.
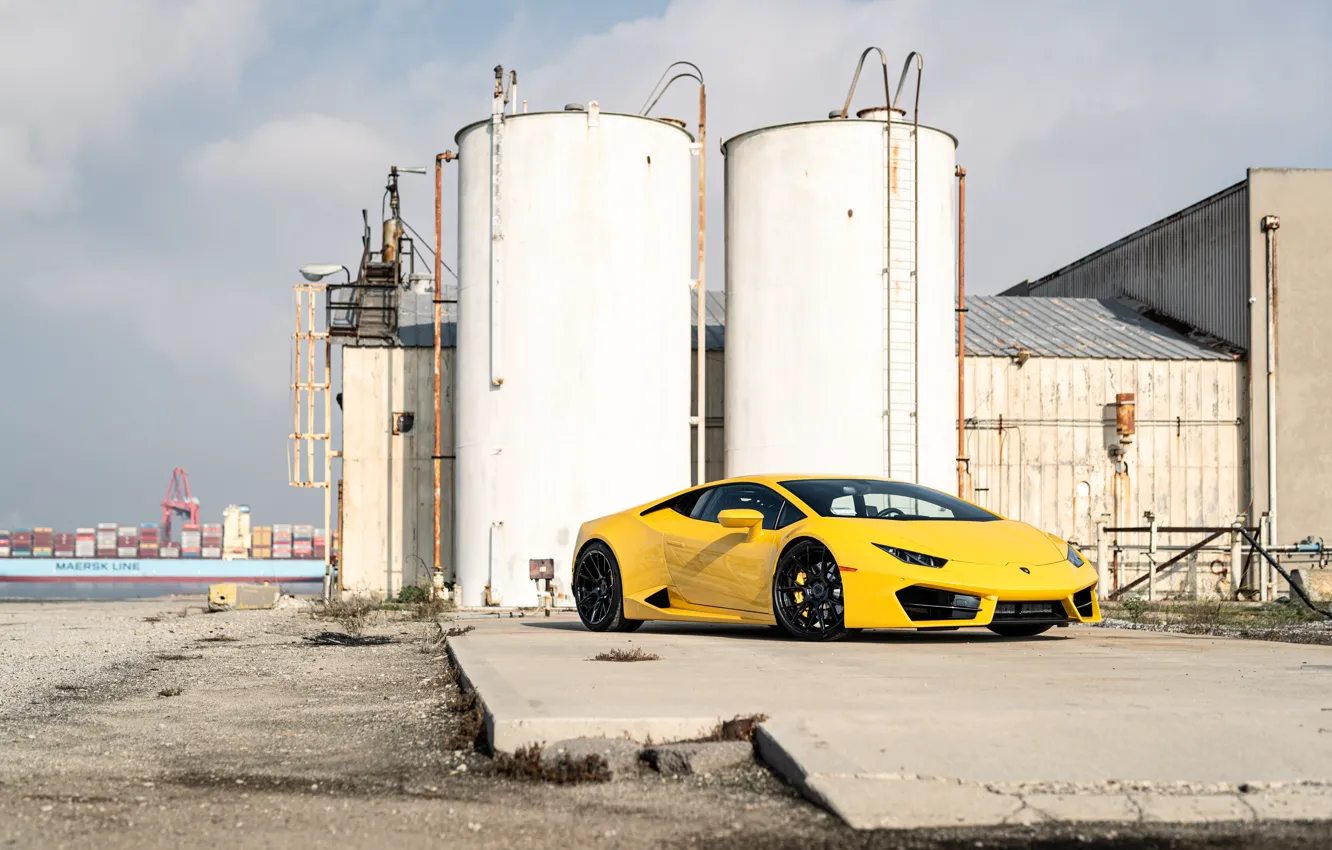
821,556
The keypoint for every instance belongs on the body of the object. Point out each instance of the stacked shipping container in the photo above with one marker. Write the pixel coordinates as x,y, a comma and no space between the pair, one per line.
85,543
149,542
261,537
110,540
212,541
127,542
106,539
43,542
302,544
191,541
282,541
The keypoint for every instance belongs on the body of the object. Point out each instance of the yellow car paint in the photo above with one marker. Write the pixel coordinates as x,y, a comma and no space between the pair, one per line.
722,572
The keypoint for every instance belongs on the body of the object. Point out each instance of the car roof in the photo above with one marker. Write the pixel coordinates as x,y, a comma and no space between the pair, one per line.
777,478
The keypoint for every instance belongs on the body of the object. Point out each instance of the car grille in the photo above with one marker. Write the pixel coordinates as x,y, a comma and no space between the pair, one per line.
928,603
1029,612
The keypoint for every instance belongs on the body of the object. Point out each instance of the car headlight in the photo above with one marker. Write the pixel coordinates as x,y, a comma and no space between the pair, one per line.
918,559
1074,558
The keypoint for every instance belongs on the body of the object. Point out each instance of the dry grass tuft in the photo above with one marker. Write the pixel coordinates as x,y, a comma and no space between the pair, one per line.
635,654
459,631
735,729
169,692
526,764
353,613
430,609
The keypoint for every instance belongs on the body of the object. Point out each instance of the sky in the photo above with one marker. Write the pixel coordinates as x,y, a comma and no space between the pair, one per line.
167,165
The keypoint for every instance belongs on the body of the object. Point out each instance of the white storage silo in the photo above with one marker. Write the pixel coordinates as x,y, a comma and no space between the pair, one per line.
840,284
573,377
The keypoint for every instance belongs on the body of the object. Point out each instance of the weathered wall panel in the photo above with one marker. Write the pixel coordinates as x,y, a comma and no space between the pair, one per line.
388,479
1038,436
1192,266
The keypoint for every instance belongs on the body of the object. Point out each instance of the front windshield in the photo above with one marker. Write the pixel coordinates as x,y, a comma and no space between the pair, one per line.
876,499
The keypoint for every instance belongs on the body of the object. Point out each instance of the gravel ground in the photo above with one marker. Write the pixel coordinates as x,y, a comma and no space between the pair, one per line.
1286,621
129,725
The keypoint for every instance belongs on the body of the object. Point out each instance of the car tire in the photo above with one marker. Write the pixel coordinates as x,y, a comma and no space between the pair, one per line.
599,592
801,613
1019,629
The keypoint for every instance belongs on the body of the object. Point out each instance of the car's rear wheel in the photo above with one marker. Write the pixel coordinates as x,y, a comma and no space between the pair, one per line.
807,598
1019,629
599,592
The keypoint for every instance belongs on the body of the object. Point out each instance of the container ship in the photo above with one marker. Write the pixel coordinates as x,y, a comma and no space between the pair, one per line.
111,560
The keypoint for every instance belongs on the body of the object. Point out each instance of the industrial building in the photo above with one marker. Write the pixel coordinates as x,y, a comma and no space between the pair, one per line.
1129,389
1247,269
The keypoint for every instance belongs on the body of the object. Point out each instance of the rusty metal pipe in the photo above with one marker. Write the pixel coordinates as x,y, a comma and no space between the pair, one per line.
1270,224
961,331
701,343
437,573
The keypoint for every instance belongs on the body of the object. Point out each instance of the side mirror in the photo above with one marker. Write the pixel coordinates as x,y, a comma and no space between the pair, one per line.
740,518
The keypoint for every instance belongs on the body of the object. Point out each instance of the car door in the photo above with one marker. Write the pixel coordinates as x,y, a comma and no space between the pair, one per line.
722,567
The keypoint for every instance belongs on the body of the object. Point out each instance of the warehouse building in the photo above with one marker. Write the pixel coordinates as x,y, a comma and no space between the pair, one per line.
1248,269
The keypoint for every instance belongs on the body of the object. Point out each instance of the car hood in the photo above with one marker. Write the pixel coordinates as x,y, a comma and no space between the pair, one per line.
996,541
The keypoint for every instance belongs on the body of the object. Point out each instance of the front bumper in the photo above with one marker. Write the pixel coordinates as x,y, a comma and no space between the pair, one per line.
878,599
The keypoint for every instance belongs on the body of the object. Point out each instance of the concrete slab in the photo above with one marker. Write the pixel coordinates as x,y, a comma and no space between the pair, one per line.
914,729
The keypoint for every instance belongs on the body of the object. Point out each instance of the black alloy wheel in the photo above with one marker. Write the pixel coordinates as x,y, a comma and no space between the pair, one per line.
807,593
597,591
1019,629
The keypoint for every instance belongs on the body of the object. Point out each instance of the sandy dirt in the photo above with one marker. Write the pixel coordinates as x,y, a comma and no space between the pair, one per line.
155,725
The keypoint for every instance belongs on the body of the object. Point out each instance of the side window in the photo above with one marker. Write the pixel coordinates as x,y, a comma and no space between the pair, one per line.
701,503
790,514
742,496
686,503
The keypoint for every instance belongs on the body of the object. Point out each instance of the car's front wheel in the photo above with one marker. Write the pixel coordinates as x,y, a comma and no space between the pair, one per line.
807,598
599,592
1019,629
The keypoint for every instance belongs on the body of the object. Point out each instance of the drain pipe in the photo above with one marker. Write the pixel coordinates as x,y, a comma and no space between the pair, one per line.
961,331
701,344
1270,224
437,573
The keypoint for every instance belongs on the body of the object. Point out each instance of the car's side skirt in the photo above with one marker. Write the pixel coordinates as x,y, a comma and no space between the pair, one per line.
636,607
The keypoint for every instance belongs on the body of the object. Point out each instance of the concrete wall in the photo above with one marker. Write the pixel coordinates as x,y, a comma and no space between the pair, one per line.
388,480
1302,198
1038,433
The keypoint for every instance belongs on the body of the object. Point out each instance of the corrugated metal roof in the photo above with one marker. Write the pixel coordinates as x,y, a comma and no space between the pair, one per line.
996,326
1110,328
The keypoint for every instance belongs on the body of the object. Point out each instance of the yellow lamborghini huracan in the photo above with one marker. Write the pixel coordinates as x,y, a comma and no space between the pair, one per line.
819,556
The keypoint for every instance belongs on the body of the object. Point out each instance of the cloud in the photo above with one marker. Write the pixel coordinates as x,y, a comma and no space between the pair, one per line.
293,154
78,74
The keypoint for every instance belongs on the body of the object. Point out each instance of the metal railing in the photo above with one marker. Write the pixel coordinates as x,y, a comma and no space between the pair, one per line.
1247,568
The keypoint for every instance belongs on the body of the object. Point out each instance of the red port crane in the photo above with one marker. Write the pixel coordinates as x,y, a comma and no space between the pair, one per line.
179,500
